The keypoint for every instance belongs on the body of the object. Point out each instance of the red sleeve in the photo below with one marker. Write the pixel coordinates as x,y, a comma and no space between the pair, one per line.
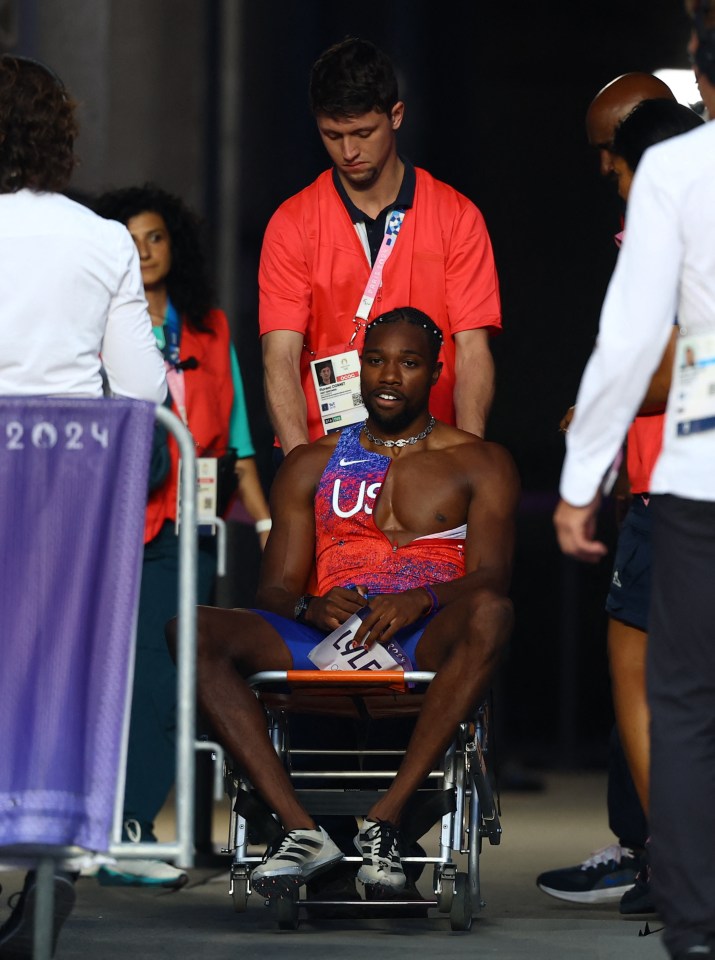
283,275
471,284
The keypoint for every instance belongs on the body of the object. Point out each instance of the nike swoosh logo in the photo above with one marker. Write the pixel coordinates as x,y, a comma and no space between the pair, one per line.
347,463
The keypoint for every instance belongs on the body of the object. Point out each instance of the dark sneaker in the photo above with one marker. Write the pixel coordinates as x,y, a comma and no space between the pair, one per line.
16,934
638,900
379,842
336,892
603,878
293,859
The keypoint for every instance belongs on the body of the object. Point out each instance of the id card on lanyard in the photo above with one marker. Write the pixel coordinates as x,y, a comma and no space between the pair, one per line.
336,377
206,467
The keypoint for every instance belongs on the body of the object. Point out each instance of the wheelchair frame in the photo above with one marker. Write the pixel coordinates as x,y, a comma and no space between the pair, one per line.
462,778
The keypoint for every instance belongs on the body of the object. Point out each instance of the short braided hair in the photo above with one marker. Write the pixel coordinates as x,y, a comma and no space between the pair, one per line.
415,317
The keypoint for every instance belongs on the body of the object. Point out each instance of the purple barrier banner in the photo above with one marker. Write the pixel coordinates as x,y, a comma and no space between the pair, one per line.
73,489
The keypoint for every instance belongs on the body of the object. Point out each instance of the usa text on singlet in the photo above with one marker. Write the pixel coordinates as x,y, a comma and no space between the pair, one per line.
351,550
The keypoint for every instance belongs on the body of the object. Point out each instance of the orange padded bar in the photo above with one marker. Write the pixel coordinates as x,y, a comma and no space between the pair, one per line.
395,679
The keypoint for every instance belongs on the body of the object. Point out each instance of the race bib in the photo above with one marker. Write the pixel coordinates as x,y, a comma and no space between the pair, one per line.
335,651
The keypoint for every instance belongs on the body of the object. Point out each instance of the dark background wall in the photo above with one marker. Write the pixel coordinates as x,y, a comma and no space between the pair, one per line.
496,96
210,99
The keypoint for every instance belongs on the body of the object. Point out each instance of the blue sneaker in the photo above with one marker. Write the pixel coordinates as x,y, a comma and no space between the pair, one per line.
602,878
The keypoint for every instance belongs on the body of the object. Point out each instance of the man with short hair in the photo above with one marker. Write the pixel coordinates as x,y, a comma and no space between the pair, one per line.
316,286
402,514
666,268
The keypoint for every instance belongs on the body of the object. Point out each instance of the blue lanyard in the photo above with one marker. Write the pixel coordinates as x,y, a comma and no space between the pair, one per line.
172,330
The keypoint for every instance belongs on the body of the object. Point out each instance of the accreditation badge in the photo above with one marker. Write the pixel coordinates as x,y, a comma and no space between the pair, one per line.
336,379
692,408
206,493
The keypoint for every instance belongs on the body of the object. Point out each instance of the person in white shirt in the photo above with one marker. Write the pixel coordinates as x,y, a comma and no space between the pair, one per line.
666,268
72,302
70,283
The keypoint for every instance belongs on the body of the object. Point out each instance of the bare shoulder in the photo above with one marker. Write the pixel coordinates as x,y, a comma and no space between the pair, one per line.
307,462
483,461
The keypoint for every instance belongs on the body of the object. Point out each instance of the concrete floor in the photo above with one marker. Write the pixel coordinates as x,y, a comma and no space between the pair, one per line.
557,827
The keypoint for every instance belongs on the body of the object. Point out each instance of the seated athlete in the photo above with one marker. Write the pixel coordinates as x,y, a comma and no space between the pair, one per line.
408,515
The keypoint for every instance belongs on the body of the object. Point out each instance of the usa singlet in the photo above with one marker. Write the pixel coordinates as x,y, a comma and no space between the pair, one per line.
350,549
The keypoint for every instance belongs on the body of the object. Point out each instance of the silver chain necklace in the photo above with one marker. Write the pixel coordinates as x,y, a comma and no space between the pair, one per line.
403,441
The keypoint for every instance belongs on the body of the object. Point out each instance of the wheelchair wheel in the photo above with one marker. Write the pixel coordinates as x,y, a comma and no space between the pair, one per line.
460,914
286,911
240,894
446,893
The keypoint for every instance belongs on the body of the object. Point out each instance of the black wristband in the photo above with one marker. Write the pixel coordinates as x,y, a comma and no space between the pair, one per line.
301,607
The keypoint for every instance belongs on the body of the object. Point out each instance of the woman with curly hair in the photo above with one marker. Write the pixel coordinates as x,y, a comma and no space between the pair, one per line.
207,393
72,300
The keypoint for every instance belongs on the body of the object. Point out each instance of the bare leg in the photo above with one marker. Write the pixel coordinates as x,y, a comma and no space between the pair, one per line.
233,644
462,644
627,655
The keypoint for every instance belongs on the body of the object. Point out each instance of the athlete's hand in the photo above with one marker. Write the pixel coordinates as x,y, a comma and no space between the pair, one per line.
390,612
566,420
333,609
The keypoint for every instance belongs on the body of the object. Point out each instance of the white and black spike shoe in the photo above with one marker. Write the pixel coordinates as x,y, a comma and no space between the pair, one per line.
379,844
293,859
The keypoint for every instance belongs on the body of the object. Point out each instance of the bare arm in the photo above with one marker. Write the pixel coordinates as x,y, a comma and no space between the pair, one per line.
490,527
289,556
284,393
251,493
474,375
290,552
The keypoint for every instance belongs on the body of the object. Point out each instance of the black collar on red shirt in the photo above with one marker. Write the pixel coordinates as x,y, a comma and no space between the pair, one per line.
376,228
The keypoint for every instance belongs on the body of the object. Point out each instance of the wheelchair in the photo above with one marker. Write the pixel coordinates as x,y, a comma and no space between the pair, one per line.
458,793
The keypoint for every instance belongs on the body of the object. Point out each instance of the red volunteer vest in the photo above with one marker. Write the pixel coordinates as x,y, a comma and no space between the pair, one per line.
209,398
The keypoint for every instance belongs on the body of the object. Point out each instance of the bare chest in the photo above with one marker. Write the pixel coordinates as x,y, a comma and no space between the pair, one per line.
418,501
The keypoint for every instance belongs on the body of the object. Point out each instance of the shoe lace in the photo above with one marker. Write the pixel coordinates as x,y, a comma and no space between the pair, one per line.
133,830
389,838
280,844
614,852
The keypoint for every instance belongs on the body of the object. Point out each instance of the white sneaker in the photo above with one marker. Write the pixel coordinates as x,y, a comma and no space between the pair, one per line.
141,873
125,872
299,855
379,843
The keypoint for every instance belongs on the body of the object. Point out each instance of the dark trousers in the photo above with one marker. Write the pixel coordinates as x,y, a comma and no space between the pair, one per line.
151,756
681,691
625,813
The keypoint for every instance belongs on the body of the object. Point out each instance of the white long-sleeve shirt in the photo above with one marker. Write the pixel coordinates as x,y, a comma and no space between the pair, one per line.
70,289
665,268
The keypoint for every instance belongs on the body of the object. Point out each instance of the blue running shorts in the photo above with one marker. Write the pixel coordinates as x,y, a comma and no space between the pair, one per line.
629,595
301,638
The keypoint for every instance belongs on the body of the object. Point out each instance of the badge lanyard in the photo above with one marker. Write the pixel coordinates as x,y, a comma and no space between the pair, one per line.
174,375
375,280
206,467
339,401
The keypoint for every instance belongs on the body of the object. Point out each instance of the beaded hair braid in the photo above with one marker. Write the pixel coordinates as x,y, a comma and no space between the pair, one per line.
415,317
